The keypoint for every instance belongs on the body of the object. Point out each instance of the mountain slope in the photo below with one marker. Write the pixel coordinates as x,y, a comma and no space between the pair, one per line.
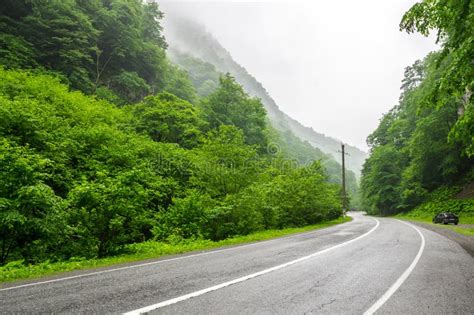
189,40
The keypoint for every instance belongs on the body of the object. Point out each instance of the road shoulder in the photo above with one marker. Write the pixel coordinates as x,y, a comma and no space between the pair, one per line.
466,241
66,269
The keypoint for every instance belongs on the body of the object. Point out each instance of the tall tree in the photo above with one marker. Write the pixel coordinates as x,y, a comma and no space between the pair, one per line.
230,105
453,20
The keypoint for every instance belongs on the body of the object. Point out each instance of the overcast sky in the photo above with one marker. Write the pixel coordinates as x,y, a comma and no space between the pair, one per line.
335,66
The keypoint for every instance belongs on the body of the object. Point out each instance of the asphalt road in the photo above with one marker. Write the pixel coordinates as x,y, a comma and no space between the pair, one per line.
380,265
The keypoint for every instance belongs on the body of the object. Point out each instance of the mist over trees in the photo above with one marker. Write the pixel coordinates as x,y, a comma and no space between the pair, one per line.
197,51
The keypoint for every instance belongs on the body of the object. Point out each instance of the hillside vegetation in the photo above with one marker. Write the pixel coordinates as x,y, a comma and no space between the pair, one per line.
105,143
422,153
199,53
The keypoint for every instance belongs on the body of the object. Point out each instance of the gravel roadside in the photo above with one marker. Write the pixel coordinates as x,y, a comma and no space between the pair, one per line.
467,242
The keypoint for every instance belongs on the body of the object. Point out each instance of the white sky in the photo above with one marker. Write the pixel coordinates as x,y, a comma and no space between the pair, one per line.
335,66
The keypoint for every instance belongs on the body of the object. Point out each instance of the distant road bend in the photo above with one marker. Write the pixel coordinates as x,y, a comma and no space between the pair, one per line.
365,266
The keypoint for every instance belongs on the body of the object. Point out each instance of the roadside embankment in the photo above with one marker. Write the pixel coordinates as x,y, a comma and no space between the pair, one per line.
463,234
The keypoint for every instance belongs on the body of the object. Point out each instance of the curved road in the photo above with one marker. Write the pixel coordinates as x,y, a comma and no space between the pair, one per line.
364,266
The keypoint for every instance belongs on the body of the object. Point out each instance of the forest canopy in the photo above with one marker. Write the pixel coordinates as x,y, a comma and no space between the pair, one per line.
424,146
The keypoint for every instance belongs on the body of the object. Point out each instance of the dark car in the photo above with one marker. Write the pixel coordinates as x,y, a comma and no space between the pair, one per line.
446,218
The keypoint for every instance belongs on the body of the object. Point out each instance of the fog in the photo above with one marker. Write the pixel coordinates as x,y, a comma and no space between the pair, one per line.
335,66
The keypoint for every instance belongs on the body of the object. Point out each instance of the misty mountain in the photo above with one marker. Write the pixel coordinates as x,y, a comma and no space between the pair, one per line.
193,48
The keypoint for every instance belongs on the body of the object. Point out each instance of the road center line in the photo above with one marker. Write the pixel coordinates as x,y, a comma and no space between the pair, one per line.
384,298
210,252
245,278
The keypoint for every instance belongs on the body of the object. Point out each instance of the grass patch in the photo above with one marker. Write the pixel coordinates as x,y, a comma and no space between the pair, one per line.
148,250
458,229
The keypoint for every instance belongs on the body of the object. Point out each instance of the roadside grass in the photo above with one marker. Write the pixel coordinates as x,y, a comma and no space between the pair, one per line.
469,231
16,270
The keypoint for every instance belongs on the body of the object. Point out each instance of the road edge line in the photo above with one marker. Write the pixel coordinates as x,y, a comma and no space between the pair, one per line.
244,278
160,261
397,284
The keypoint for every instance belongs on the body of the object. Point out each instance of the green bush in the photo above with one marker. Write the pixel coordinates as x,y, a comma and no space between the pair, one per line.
185,218
443,200
84,178
462,207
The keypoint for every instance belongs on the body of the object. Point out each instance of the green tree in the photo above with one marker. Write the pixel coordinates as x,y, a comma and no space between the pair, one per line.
178,83
381,176
63,37
116,210
230,105
168,118
114,44
452,19
30,218
223,164
414,137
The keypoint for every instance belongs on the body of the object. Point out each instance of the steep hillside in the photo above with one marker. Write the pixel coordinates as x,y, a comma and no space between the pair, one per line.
329,145
205,78
197,51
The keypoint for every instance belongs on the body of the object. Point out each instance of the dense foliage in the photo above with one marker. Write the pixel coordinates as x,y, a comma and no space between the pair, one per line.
82,177
114,47
440,200
425,143
105,143
206,78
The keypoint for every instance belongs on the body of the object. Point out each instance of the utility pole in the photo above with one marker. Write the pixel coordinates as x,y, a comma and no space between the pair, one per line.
344,196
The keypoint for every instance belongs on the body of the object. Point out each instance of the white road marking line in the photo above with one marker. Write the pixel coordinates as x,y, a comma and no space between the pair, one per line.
384,298
253,275
159,261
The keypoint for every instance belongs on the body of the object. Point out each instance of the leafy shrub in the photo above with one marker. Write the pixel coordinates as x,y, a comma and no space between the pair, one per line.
442,200
83,178
185,218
